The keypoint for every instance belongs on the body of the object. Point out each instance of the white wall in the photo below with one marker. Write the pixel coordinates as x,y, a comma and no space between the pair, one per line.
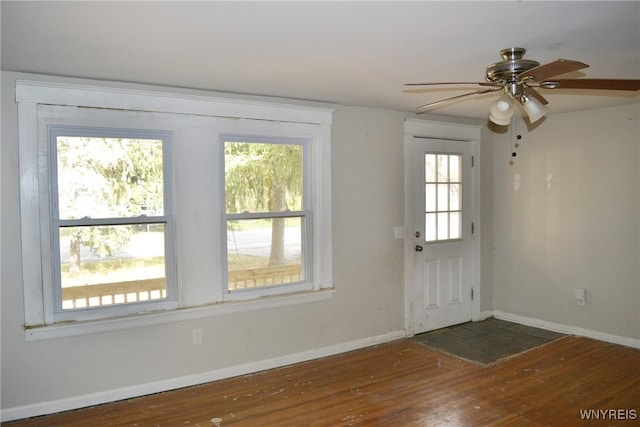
573,222
366,307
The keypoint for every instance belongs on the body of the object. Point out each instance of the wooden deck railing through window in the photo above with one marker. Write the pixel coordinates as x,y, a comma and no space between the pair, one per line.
265,276
152,289
114,293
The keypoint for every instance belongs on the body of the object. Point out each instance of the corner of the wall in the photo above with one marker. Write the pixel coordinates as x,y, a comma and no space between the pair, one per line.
567,329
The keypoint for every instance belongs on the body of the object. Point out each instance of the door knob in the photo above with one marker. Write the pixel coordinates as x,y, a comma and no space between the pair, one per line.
418,248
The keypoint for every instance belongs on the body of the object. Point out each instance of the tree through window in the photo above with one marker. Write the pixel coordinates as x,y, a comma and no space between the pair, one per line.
266,213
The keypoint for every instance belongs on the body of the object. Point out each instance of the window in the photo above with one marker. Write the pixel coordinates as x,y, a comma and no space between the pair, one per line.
267,212
136,202
111,216
443,196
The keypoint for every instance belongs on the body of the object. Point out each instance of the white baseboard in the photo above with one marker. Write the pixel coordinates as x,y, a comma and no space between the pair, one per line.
77,402
566,329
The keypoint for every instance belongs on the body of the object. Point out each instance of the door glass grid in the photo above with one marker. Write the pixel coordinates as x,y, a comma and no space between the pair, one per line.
443,197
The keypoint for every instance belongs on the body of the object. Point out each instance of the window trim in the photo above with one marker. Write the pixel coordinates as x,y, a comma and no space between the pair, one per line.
59,314
63,330
36,253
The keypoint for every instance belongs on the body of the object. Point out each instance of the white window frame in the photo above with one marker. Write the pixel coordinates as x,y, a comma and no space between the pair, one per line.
307,249
105,311
195,298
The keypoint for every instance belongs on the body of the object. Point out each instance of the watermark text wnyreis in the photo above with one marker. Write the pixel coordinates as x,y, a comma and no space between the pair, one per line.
608,414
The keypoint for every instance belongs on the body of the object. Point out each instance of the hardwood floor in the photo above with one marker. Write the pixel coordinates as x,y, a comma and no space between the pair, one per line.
402,383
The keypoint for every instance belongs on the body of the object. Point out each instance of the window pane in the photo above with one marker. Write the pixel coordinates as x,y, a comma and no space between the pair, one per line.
454,225
105,265
430,227
430,198
109,177
454,197
430,168
443,197
264,252
443,168
443,226
454,168
263,177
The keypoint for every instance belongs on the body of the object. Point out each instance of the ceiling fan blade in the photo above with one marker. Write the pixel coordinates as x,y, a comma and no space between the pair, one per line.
454,83
433,104
555,68
535,94
606,84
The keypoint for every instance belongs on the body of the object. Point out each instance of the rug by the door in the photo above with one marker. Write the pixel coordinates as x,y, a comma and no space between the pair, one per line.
487,341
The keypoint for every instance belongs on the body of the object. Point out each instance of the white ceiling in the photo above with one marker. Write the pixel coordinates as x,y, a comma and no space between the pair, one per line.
352,53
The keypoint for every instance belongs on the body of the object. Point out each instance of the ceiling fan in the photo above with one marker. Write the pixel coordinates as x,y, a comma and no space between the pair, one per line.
518,79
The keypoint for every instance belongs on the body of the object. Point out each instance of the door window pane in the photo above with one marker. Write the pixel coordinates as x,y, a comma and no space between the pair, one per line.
454,197
431,225
443,197
443,168
454,225
430,167
443,226
430,198
454,169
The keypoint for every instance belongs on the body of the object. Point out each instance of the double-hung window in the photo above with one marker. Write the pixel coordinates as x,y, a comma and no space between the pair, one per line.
137,202
111,221
267,214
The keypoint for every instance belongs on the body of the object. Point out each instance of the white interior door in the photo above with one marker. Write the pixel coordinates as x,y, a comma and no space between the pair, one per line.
441,182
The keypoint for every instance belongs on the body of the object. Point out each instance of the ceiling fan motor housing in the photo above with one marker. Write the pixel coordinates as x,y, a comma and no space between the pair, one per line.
513,63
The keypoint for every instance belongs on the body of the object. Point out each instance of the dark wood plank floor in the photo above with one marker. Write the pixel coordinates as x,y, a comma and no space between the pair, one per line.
402,383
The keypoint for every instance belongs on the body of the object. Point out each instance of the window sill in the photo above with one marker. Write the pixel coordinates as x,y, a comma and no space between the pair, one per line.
108,325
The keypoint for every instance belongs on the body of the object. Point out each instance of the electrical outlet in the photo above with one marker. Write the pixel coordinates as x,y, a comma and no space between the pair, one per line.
196,337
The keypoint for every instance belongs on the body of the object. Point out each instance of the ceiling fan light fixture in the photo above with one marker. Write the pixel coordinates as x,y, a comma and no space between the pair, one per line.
534,108
499,121
500,112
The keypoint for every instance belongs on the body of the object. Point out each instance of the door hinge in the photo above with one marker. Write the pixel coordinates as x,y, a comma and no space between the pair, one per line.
473,161
471,293
472,228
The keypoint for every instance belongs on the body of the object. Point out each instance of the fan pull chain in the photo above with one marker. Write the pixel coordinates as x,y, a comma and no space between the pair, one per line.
514,144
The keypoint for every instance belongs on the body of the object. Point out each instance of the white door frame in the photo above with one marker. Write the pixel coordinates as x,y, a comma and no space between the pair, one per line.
439,130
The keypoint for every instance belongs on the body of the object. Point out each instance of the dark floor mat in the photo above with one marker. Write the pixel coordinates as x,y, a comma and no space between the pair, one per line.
486,341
